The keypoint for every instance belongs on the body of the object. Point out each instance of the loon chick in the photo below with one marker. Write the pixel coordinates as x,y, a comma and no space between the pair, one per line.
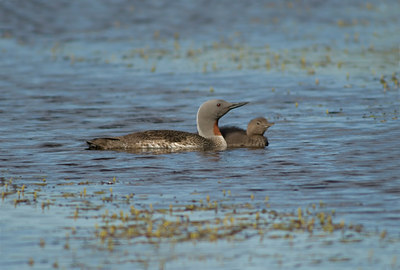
252,137
209,136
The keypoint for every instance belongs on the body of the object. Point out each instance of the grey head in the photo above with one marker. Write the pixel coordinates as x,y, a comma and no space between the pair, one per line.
210,112
258,126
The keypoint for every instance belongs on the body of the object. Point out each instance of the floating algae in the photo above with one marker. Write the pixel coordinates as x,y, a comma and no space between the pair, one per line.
209,220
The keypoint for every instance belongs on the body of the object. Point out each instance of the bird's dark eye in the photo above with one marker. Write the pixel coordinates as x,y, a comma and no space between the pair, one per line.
219,104
258,123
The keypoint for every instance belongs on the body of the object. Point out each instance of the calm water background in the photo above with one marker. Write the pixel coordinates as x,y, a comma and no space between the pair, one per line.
324,73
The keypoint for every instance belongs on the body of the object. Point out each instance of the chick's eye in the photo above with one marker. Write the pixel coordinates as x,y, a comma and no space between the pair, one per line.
258,123
219,104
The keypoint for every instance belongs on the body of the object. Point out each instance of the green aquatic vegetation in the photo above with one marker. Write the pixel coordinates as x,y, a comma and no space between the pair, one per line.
232,56
202,220
113,220
211,221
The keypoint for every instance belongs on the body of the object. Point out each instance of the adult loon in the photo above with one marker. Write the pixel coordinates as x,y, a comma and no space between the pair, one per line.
209,136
